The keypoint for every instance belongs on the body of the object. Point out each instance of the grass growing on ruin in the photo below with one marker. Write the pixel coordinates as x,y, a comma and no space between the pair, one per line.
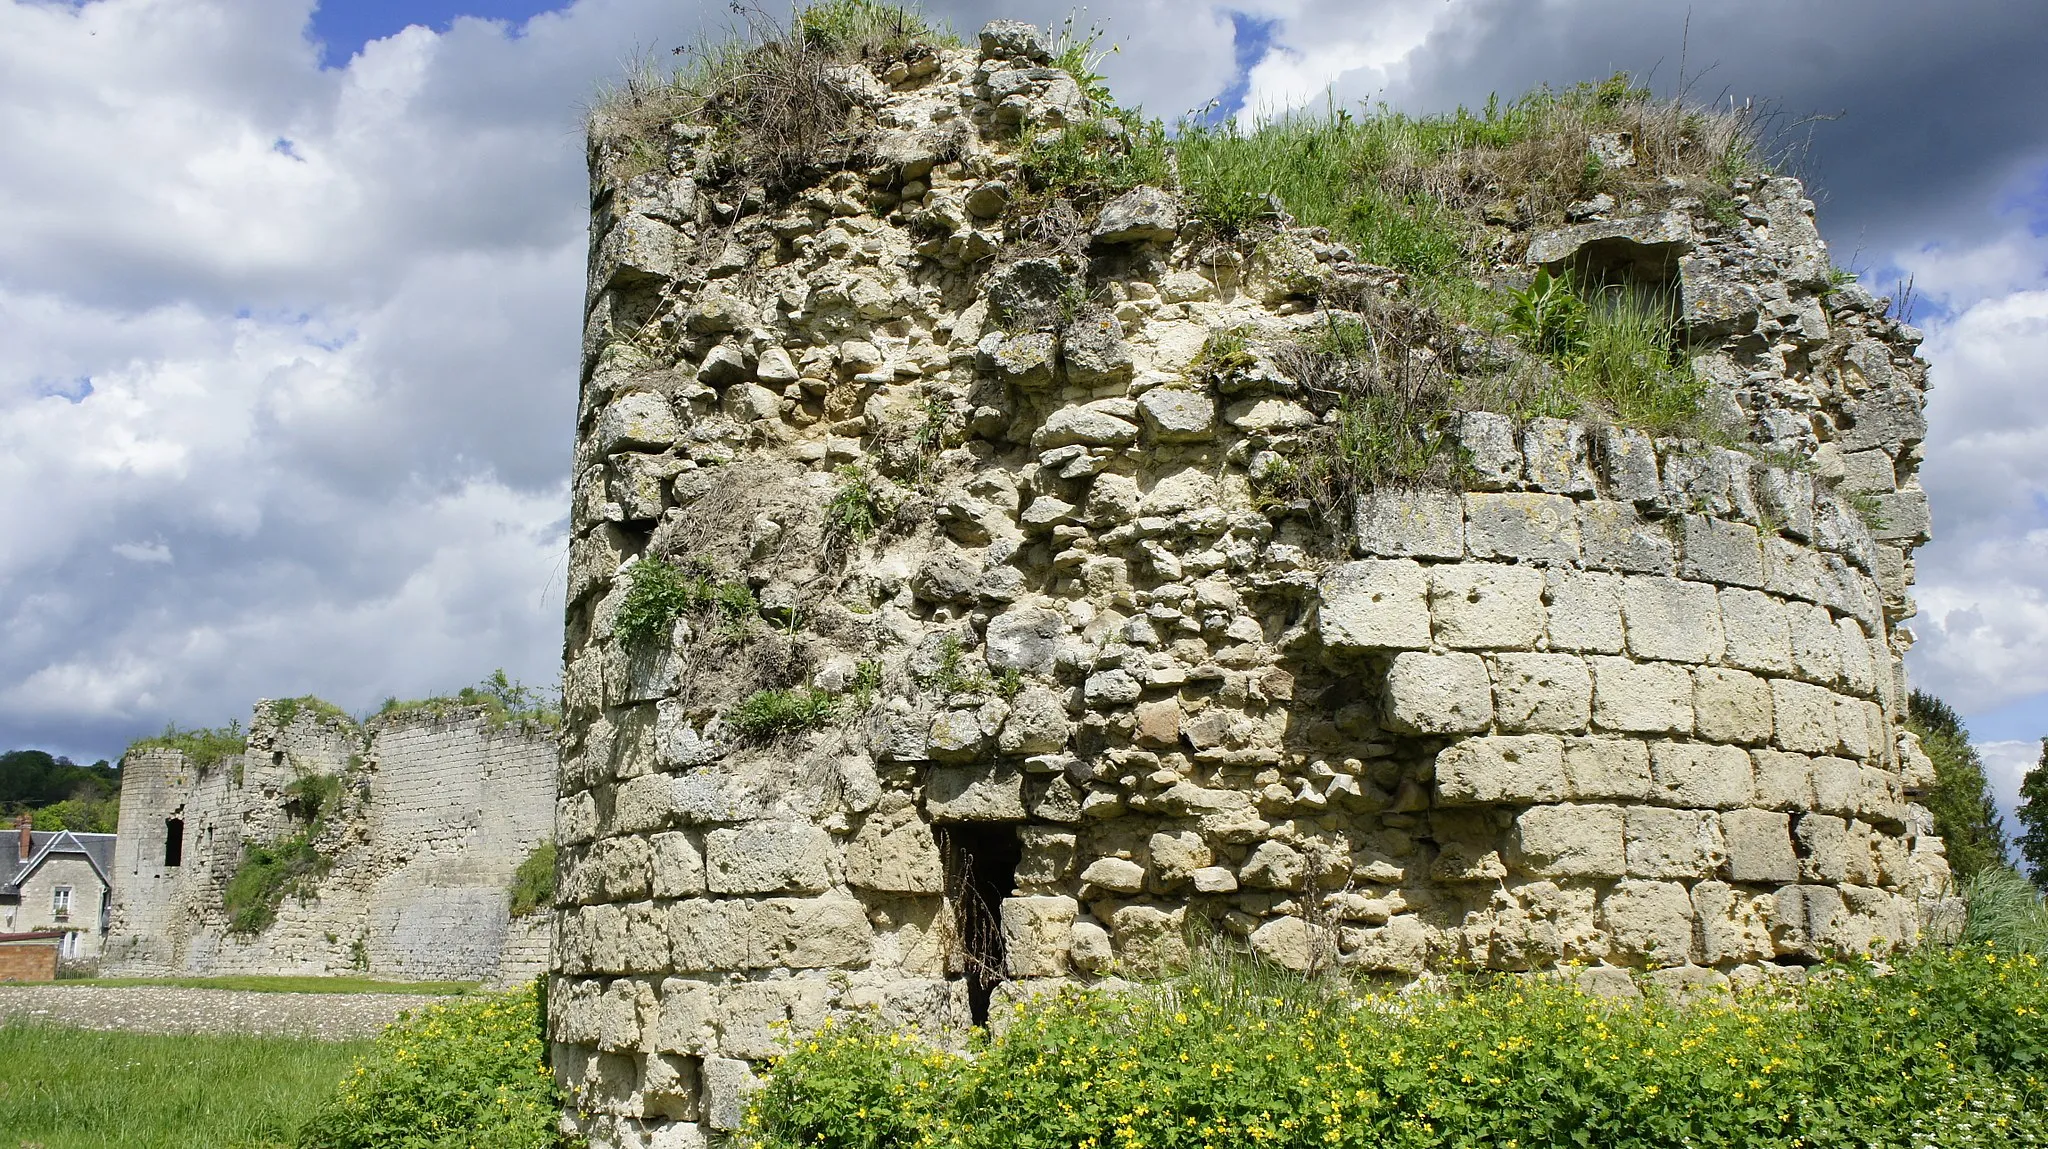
533,883
206,747
505,700
658,592
767,88
1410,192
286,710
255,983
465,1072
64,1088
1949,1049
769,714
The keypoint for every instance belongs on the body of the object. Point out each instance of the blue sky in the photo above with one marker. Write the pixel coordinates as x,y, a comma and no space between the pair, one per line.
286,419
344,26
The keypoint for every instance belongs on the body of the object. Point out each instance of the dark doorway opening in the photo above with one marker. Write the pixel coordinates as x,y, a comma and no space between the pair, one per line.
174,841
981,870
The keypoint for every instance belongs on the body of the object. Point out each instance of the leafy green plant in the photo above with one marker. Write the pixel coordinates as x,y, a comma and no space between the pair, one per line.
204,747
465,1072
769,714
1079,54
860,505
1945,1048
864,29
1629,368
867,681
533,883
312,797
1549,314
658,592
1093,161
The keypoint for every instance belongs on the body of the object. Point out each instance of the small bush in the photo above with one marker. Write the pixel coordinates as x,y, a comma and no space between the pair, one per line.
533,884
770,714
204,747
768,89
1947,1049
461,1073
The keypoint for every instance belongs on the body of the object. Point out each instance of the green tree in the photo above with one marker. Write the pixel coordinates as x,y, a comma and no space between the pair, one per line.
2033,816
1964,814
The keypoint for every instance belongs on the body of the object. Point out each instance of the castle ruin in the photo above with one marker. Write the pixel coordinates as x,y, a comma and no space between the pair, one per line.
414,824
1007,652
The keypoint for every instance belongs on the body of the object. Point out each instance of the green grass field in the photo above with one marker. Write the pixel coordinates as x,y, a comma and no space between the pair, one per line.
283,985
63,1088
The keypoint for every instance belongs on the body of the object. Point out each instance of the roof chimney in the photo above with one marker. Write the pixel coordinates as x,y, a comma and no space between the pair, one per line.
24,827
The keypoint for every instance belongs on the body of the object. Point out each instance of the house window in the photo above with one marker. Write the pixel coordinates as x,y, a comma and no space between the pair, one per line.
174,841
60,903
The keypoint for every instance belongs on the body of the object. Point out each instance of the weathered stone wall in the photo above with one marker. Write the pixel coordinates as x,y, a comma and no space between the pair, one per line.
436,813
1623,703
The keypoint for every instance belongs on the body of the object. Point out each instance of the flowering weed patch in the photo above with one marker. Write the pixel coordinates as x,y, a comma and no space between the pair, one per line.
1948,1049
465,1073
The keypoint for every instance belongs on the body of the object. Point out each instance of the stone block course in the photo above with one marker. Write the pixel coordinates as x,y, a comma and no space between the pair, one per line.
1483,606
1528,527
1583,612
1641,698
1671,619
1438,694
1542,692
1523,769
1375,605
1702,776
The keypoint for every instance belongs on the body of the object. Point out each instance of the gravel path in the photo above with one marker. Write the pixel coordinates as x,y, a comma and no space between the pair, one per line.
170,1009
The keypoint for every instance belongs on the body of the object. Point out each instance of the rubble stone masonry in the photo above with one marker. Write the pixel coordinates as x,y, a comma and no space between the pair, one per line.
1627,705
433,814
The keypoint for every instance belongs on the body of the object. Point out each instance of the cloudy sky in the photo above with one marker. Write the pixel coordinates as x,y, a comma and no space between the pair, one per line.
289,299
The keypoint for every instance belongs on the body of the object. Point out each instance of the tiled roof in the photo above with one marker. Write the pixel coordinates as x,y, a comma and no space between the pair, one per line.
97,849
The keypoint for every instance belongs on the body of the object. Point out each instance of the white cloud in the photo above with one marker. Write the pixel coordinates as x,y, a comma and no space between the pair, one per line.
143,552
1983,581
2005,764
287,355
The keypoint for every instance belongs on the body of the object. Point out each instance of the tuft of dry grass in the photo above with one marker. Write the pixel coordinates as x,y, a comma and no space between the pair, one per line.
772,90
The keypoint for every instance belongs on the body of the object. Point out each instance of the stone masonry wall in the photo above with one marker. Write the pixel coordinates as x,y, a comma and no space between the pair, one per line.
436,813
1622,705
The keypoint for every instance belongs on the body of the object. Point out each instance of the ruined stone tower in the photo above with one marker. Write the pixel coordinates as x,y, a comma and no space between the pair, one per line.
946,619
413,826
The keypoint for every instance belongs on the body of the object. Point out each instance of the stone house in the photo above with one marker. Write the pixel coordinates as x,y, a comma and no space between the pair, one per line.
58,880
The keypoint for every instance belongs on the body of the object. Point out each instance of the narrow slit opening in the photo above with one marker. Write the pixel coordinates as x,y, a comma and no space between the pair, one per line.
981,870
174,841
